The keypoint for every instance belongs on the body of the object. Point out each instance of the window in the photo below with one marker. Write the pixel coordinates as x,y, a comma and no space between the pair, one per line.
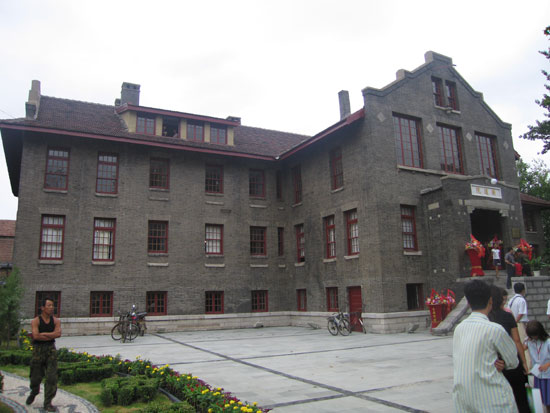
101,304
218,134
157,240
256,184
301,300
352,232
297,181
213,240
450,93
213,302
156,302
487,155
280,241
159,173
332,299
57,169
213,182
408,226
415,297
259,301
170,127
330,237
300,243
437,89
336,169
279,185
104,239
52,234
258,241
407,141
449,144
53,295
195,132
529,220
107,174
145,125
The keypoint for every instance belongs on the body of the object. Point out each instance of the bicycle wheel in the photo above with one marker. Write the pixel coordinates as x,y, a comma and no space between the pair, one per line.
132,332
116,332
332,328
344,327
363,326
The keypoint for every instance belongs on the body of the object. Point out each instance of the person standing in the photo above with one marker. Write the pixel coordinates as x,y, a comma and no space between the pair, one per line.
479,385
496,258
539,348
45,329
518,306
510,266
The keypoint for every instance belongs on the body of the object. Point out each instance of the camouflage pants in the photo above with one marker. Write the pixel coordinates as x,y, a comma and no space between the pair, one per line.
44,363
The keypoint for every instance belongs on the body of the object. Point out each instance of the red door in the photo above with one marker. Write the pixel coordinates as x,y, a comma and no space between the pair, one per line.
355,305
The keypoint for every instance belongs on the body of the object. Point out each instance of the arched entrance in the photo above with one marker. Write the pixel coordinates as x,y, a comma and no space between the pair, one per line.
485,224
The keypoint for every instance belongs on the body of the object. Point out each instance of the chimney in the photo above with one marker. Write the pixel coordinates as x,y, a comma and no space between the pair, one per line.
32,105
235,119
129,94
343,97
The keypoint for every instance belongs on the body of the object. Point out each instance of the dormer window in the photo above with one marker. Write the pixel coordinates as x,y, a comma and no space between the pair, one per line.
145,125
450,92
170,127
444,98
195,131
218,134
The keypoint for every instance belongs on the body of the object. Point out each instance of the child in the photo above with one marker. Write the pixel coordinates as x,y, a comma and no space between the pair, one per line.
539,349
496,258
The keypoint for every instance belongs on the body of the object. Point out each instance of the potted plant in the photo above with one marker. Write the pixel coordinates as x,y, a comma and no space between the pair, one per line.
536,265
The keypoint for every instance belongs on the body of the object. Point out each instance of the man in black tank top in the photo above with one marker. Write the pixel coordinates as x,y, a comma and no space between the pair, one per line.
45,329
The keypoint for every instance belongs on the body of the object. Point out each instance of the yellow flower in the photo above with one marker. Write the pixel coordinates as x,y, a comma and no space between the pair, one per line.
110,359
147,367
254,404
217,393
240,403
226,405
232,401
195,377
161,372
209,410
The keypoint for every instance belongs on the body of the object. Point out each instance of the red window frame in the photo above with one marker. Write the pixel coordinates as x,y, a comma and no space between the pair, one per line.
218,134
330,237
213,302
195,131
57,169
280,241
450,92
258,241
487,154
300,243
213,239
101,304
279,185
450,149
437,90
301,299
213,179
408,142
352,232
336,169
156,302
297,181
256,183
332,299
260,301
146,125
52,237
107,173
103,243
159,173
157,237
408,228
54,295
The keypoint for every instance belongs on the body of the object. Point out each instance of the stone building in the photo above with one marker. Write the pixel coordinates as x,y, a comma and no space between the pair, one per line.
7,239
201,217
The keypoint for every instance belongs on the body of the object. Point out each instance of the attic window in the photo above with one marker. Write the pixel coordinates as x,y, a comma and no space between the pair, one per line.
218,134
145,125
195,131
170,127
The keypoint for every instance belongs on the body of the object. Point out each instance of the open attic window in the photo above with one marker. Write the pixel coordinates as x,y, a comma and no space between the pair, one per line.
170,127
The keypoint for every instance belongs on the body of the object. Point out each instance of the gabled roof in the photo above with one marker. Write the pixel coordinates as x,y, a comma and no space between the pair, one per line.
533,200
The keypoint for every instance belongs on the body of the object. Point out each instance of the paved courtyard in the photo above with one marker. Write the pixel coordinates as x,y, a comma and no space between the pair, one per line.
291,369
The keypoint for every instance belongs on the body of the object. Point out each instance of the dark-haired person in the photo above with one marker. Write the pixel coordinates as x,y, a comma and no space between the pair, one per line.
539,348
516,377
518,306
510,267
45,329
479,385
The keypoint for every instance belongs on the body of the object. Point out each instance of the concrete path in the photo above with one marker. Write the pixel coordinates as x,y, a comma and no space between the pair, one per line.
291,369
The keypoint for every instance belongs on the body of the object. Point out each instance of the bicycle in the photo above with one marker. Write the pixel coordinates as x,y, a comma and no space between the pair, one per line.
127,328
338,323
355,321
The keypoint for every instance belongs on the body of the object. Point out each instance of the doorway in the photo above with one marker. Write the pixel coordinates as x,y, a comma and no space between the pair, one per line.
355,306
485,224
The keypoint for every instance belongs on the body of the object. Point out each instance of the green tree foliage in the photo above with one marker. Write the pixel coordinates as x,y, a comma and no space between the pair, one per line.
10,300
534,179
542,129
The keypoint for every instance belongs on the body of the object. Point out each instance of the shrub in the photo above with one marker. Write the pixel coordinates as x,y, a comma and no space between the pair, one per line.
20,357
180,407
126,395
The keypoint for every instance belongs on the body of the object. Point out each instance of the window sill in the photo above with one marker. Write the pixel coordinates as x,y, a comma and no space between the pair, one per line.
101,195
296,205
326,260
351,257
157,264
259,265
103,263
421,170
257,206
447,109
213,193
412,253
214,265
51,262
157,254
159,189
299,264
333,191
55,191
218,203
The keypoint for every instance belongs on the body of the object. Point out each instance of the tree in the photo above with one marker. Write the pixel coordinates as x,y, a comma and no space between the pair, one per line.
10,300
542,129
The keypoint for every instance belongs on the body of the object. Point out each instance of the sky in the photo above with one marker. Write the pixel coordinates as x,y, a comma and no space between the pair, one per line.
276,64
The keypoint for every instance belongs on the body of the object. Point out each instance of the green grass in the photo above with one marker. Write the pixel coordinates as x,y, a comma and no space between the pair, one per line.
88,391
5,408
